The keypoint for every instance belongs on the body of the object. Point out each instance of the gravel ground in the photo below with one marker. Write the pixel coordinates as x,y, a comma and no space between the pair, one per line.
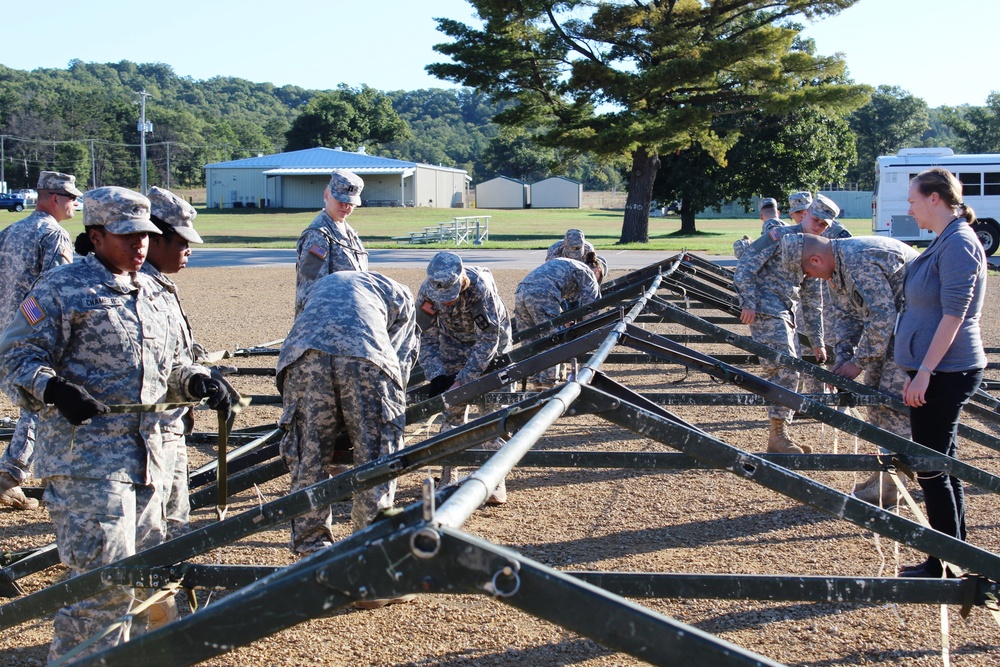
578,519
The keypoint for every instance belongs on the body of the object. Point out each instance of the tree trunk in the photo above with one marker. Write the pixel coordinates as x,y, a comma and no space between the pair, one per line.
687,217
635,227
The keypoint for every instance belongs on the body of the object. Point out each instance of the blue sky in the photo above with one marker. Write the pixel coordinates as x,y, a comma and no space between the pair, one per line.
940,50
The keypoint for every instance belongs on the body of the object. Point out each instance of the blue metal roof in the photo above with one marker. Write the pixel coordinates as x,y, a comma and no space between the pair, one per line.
324,158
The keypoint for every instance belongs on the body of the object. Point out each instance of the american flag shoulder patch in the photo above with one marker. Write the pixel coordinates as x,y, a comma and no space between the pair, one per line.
773,233
318,250
32,311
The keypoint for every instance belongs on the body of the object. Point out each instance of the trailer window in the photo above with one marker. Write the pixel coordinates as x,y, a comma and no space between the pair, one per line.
991,183
972,184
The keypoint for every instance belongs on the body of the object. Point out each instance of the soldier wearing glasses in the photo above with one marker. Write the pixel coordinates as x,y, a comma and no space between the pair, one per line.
29,248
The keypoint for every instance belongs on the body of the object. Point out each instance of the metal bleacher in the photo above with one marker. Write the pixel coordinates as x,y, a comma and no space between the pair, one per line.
474,229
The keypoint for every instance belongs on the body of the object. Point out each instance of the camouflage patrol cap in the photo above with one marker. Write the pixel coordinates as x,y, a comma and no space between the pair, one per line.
444,277
602,264
767,201
791,254
799,201
346,186
118,210
824,208
574,239
58,182
175,212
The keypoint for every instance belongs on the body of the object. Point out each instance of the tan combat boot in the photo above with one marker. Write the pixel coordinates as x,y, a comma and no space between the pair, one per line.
12,495
874,490
778,441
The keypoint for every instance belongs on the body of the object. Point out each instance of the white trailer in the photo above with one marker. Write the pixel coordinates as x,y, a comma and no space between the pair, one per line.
980,177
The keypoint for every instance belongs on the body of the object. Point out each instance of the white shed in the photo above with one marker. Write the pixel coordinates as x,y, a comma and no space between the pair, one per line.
557,192
296,180
502,192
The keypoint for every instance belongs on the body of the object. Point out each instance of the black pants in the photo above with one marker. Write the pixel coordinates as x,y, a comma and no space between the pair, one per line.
935,425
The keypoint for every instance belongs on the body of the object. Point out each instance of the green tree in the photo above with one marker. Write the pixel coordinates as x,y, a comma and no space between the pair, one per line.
977,128
348,118
893,119
642,79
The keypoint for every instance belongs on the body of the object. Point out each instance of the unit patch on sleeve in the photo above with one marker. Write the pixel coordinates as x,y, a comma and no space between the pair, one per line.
318,250
31,311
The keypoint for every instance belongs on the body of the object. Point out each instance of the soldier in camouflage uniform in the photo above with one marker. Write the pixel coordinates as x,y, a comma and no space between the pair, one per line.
168,254
464,324
92,334
540,295
344,367
29,248
573,245
769,294
798,202
770,217
865,275
329,244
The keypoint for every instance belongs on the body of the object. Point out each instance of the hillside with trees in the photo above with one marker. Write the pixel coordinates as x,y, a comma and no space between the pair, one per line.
83,119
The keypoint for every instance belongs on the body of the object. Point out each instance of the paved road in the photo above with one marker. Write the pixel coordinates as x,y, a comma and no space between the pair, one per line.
416,258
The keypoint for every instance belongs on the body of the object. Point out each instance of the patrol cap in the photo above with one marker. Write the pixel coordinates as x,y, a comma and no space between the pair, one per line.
799,201
791,254
603,264
346,186
58,182
118,210
767,201
573,244
824,208
444,277
175,212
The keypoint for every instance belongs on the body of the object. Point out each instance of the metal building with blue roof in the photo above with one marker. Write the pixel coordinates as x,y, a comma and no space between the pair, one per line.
296,180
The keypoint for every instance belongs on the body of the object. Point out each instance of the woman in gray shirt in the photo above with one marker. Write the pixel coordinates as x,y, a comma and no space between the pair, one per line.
939,343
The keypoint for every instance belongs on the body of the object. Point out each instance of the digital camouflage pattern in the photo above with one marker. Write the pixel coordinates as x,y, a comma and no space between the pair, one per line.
799,201
867,293
344,367
463,338
28,248
176,424
112,336
539,296
345,186
324,247
118,210
766,286
174,211
574,245
98,522
741,245
444,277
362,315
58,182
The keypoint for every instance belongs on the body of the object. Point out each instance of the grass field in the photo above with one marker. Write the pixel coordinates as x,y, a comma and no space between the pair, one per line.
529,229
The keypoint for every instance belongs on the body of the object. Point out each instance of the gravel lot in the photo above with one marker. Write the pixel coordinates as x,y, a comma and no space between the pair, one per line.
579,519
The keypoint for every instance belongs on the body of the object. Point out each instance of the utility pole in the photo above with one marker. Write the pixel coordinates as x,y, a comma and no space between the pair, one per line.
143,128
168,165
93,166
2,137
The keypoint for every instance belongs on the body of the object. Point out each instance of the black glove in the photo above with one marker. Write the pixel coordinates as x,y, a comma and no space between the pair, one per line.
72,401
203,386
439,385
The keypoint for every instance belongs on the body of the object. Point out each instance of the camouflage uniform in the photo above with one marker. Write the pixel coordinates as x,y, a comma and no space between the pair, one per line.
461,339
741,245
539,295
867,293
327,246
28,248
344,366
177,424
110,335
768,288
573,245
